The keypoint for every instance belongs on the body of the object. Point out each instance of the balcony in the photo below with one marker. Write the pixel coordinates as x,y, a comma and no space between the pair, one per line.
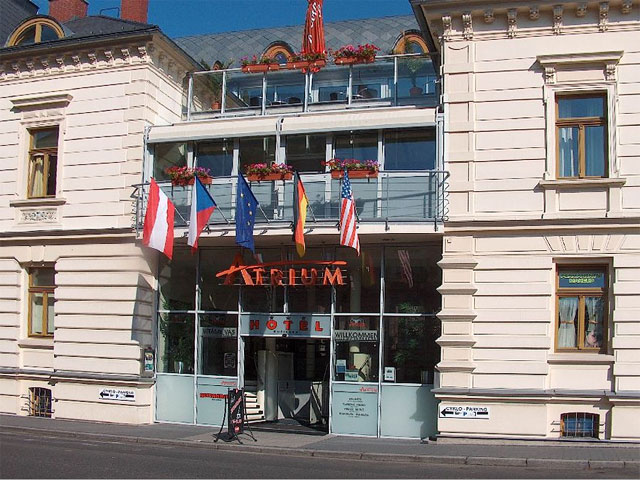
398,196
392,80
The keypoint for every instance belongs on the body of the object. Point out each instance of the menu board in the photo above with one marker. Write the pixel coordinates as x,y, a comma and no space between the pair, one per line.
235,413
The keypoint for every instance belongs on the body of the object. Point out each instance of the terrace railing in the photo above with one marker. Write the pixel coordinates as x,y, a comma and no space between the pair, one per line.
390,81
394,196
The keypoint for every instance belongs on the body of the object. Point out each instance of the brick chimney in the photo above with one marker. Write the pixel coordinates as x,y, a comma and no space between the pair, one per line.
65,10
135,10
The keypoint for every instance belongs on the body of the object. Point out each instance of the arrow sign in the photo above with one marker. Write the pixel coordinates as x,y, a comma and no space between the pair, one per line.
117,394
465,411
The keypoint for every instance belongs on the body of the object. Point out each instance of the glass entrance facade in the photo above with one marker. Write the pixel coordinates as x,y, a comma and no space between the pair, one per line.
355,351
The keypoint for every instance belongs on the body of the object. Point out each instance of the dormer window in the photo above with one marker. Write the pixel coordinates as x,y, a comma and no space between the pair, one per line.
35,30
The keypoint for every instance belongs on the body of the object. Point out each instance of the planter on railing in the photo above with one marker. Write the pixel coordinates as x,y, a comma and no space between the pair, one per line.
269,177
260,67
338,174
305,65
353,60
190,181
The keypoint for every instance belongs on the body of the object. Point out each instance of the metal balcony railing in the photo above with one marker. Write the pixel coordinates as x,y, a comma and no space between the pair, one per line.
390,81
394,196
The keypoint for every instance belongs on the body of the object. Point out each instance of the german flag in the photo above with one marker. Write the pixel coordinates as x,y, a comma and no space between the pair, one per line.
300,202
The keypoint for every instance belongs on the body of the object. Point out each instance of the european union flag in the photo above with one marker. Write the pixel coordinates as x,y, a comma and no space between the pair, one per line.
246,206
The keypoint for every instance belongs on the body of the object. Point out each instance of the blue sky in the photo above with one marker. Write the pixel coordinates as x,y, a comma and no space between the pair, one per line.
179,18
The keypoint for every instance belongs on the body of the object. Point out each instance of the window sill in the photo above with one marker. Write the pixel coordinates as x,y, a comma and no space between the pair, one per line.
582,183
579,358
38,202
45,343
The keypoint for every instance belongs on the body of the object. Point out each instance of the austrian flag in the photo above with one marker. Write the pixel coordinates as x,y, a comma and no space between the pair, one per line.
158,221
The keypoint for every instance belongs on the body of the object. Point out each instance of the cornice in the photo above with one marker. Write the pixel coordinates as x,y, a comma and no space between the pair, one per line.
460,20
46,63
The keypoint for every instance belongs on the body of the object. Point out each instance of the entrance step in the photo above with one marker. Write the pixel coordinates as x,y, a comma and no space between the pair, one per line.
255,412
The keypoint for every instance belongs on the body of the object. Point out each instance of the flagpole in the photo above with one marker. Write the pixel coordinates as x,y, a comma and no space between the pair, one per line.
265,215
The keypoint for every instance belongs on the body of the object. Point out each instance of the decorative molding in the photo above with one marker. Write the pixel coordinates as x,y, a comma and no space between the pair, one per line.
488,16
534,13
48,64
603,23
609,60
41,101
126,55
39,216
446,27
581,10
467,26
625,8
610,70
557,19
512,22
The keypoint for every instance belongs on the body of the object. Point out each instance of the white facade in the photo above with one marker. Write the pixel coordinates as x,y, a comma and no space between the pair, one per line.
515,222
100,99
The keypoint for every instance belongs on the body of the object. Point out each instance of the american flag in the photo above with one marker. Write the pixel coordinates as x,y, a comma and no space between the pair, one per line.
348,232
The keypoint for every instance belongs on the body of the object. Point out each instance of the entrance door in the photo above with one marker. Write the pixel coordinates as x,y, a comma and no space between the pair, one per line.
291,377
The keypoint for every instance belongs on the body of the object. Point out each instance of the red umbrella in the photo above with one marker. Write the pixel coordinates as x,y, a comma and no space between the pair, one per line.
313,36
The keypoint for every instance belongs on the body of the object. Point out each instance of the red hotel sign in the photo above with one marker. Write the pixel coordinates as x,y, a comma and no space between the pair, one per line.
290,272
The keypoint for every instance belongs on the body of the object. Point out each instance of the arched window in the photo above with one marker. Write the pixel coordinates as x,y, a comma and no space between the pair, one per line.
410,42
35,30
279,52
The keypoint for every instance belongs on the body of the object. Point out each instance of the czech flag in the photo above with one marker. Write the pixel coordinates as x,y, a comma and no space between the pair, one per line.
158,221
300,202
202,206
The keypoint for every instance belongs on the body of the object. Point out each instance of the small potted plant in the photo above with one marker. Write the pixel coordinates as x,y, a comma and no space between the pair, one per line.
183,176
349,55
257,172
356,168
257,64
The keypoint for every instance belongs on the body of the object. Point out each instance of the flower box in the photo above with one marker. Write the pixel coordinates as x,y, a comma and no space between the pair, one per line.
260,67
297,65
183,176
353,60
338,174
269,177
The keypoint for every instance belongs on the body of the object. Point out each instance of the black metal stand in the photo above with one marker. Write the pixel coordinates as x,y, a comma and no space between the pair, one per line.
231,435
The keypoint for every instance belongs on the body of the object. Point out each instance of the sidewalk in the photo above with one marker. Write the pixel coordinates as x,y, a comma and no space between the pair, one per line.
574,455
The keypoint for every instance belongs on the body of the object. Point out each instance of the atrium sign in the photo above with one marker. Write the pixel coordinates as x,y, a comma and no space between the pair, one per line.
291,273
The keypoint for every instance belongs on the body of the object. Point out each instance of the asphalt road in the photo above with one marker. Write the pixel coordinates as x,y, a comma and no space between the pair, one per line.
27,455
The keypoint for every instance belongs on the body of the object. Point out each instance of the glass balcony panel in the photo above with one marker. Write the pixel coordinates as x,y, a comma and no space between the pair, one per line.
222,190
244,92
181,198
267,195
330,85
365,192
409,196
373,81
314,186
416,81
285,91
207,92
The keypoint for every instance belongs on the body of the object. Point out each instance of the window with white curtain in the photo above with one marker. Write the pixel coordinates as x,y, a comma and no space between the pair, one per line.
581,135
43,162
581,309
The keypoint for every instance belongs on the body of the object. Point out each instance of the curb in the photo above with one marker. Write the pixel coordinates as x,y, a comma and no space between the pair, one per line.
377,457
